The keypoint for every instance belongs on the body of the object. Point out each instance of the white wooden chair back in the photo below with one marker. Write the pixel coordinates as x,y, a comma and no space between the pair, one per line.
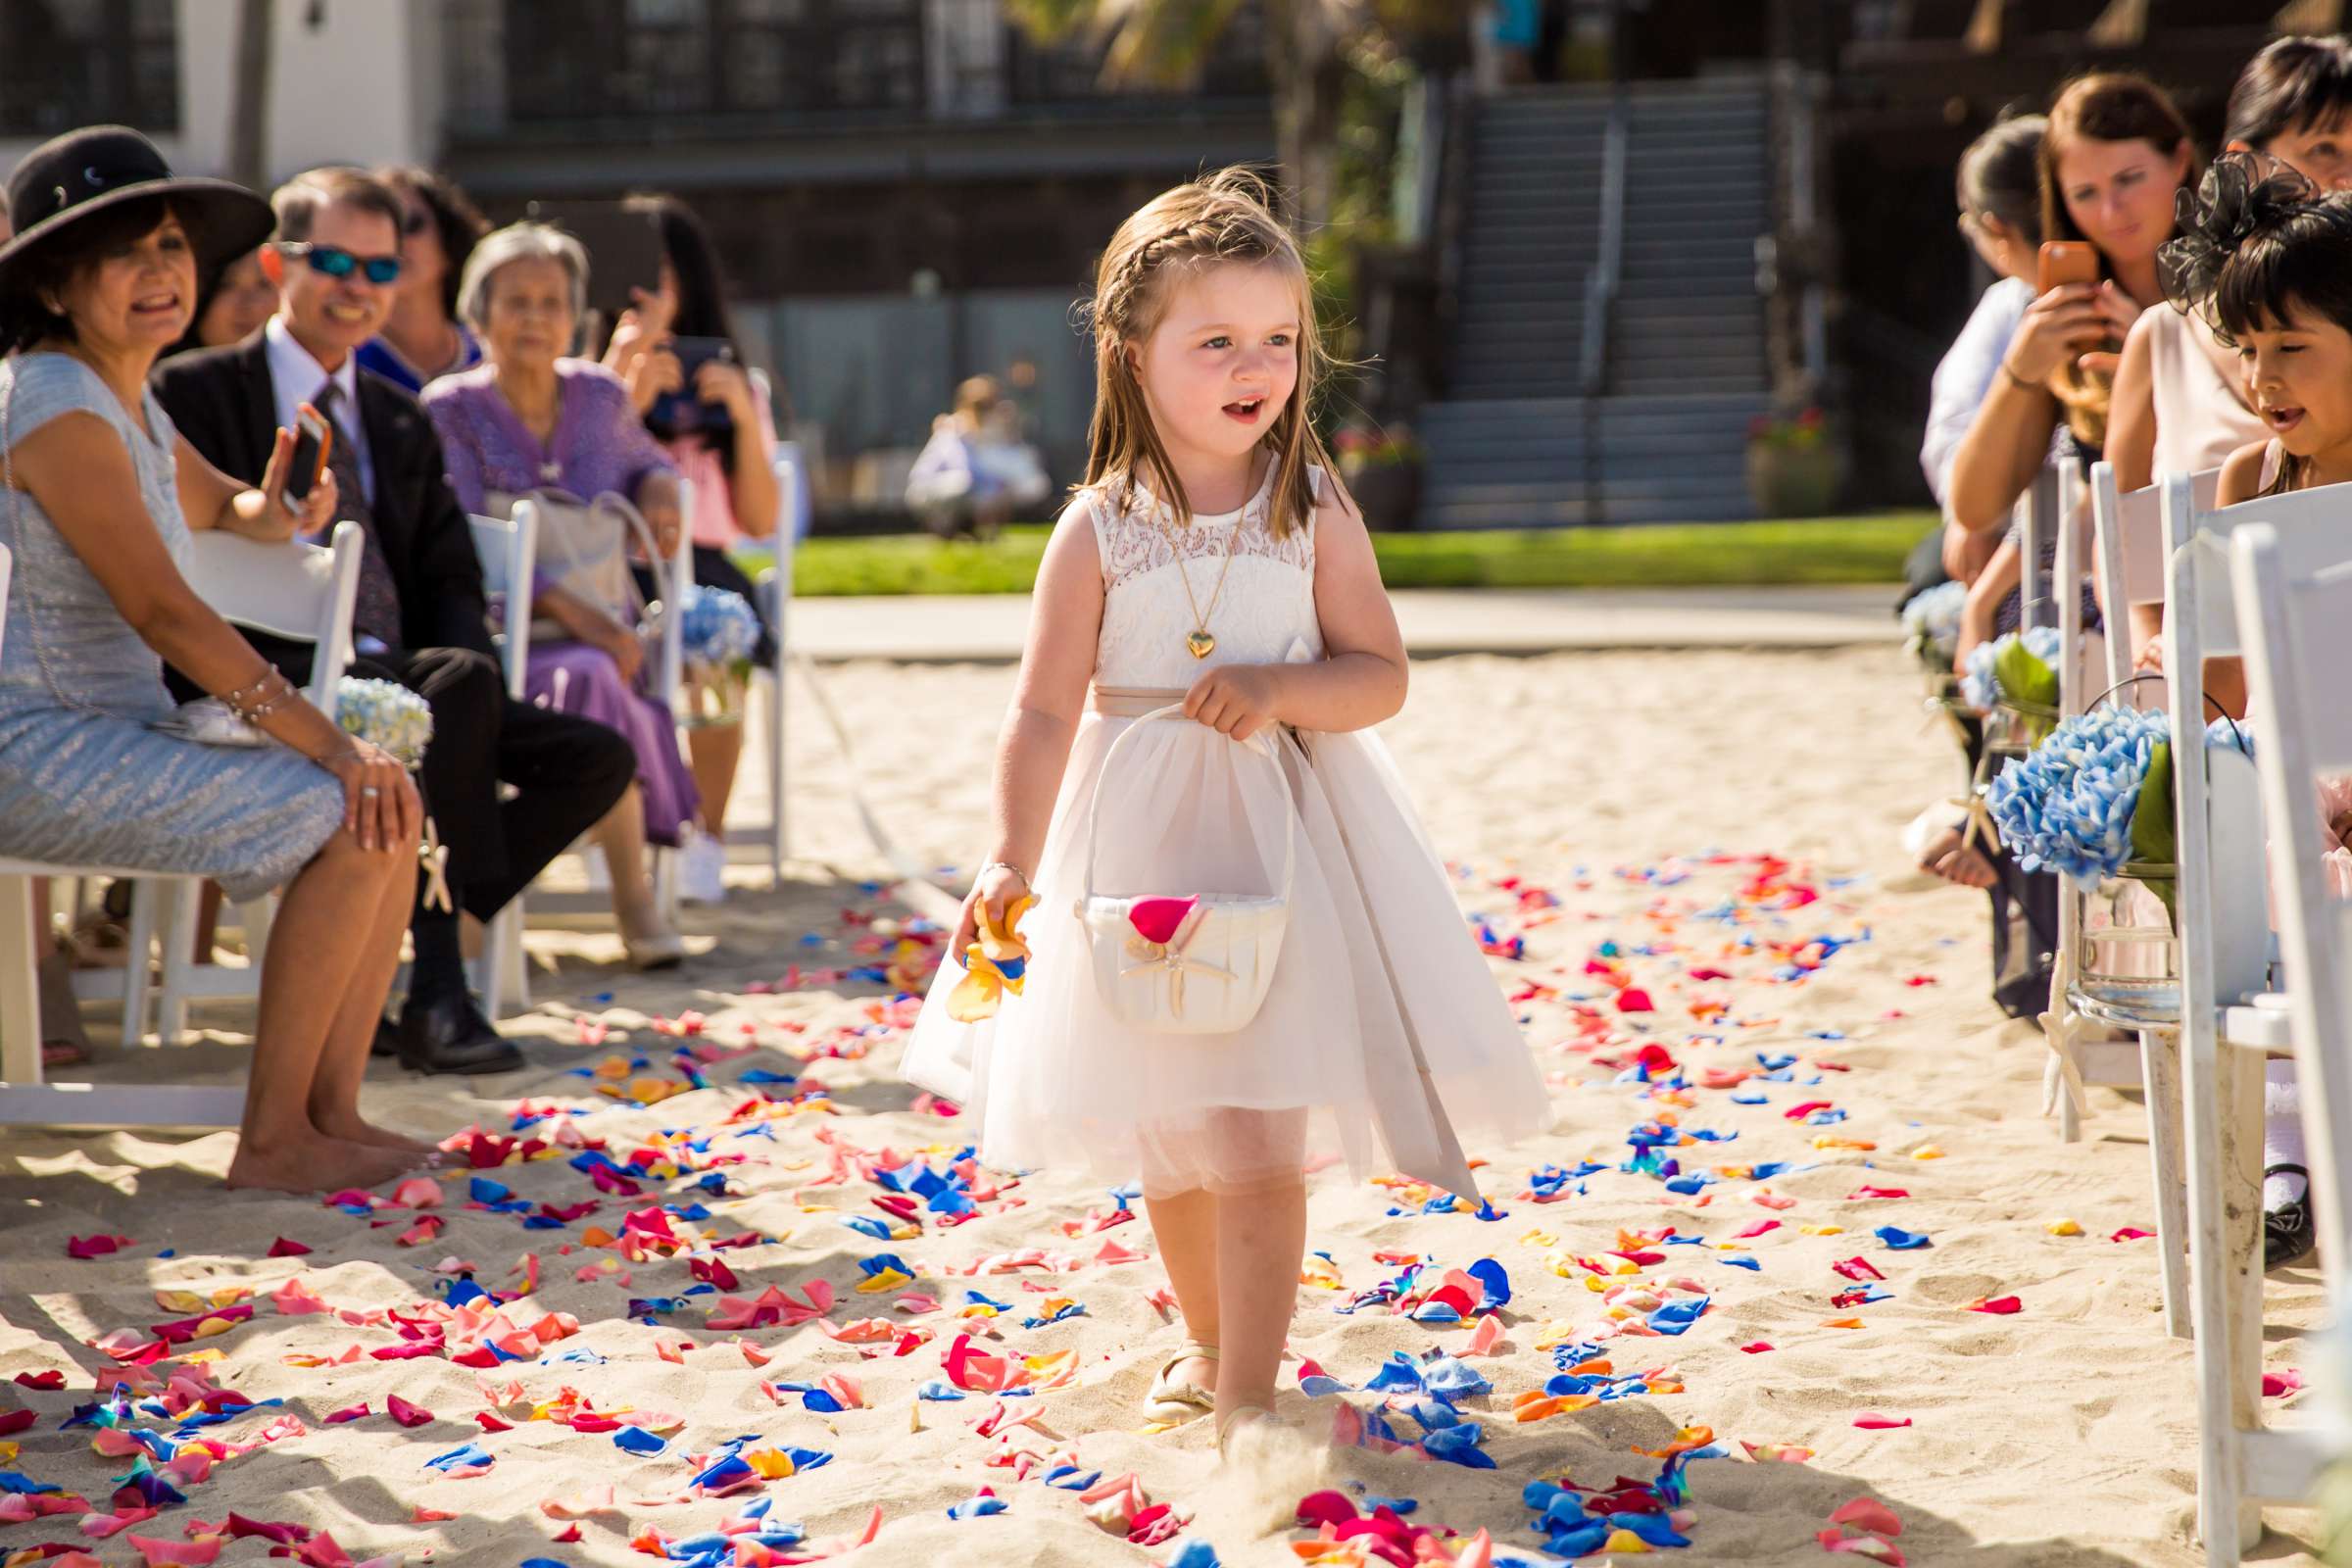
2082,668
2299,648
509,551
2036,517
793,506
2225,924
303,591
2128,537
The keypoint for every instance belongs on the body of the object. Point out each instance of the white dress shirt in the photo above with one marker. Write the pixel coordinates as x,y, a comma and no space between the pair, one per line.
295,377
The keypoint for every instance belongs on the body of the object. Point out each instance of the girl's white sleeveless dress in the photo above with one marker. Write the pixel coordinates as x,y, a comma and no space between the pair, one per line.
1384,1036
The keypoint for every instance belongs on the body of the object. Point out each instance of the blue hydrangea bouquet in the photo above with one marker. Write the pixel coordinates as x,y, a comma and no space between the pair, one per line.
2095,799
385,714
720,633
2016,671
1932,625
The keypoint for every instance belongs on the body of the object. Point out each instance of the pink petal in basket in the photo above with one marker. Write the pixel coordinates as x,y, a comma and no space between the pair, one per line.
1160,920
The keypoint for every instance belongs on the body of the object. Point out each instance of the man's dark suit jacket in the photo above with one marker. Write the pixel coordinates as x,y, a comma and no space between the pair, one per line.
222,402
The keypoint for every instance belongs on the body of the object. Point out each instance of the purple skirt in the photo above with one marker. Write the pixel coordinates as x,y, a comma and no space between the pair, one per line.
577,678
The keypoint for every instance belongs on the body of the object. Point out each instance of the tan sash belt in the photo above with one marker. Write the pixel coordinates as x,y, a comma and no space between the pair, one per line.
1132,702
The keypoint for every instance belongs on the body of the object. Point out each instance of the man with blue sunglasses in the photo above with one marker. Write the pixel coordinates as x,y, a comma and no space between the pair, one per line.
337,263
420,617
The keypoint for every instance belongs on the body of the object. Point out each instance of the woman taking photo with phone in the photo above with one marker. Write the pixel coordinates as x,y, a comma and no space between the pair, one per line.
715,420
2113,159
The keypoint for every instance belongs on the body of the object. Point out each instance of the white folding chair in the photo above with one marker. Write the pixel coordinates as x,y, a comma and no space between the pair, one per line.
2127,533
2230,1022
2151,1062
237,576
2292,596
775,585
509,550
302,592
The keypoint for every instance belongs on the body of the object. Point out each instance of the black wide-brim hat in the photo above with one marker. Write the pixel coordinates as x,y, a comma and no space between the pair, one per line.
84,172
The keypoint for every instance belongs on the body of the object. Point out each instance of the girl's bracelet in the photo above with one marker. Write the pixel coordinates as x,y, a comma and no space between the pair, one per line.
2019,381
1003,866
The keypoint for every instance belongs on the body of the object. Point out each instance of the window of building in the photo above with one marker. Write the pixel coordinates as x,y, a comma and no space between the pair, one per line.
69,62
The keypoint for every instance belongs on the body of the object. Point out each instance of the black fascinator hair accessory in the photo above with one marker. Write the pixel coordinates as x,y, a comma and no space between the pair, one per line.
2243,241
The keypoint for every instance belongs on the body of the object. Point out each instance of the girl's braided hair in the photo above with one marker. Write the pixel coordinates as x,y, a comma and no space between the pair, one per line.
1227,217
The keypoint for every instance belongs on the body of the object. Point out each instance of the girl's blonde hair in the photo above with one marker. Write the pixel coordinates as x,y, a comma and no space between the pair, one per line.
1224,217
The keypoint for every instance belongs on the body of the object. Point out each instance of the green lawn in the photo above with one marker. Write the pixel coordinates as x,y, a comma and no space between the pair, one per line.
1867,548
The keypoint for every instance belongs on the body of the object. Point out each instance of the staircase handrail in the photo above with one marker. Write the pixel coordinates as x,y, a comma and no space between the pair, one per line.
1601,279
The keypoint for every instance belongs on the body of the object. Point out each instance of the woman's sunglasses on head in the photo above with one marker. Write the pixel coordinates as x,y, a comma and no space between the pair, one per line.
336,263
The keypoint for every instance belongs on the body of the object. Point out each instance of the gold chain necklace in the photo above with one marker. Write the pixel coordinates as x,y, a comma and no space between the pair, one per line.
1199,642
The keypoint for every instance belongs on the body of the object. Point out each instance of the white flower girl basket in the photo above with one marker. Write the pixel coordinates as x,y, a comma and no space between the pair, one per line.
1185,964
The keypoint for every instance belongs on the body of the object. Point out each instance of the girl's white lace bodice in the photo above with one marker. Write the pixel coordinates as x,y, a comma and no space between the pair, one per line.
1267,609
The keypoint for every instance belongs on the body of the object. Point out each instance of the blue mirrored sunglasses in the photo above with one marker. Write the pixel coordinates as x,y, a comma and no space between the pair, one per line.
339,264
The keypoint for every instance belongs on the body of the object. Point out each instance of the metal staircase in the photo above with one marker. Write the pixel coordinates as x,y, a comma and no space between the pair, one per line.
1609,345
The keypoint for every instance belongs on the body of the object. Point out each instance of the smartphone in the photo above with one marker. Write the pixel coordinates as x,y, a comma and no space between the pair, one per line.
624,249
681,413
2066,262
309,454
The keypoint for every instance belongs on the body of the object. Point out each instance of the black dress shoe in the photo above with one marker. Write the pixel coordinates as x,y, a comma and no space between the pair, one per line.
2288,1232
452,1036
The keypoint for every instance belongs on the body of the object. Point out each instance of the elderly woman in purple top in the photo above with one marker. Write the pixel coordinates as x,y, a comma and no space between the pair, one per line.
530,418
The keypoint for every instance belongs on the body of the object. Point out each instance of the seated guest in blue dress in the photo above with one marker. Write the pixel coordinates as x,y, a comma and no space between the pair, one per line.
98,495
422,337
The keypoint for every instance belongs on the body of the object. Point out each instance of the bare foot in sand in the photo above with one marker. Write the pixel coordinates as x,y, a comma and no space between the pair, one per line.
352,1128
315,1164
1955,862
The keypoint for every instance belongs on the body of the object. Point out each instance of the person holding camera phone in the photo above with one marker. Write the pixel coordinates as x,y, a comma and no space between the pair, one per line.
2115,154
677,350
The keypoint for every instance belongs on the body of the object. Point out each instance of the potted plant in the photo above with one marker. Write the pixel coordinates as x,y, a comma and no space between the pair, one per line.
1382,468
1793,466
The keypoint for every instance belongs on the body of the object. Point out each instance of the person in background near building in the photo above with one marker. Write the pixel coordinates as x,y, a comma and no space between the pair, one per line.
531,418
975,471
722,434
421,617
439,228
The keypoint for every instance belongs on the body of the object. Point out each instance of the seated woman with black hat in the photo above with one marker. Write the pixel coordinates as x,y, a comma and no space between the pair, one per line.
98,496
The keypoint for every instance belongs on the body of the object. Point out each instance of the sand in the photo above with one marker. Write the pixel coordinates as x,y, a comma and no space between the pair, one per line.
2063,1433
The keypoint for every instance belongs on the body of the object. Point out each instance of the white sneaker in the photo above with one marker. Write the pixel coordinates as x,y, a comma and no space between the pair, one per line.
701,868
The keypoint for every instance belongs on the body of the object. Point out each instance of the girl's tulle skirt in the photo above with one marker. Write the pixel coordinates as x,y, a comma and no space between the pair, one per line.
1376,947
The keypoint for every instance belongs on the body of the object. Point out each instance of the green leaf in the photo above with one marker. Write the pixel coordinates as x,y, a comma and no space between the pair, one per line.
2155,835
2025,678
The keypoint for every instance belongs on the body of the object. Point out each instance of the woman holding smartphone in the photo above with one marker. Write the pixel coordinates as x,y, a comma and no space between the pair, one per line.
730,461
2112,159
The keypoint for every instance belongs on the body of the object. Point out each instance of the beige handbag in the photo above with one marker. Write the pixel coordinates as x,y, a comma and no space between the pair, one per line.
1185,964
584,549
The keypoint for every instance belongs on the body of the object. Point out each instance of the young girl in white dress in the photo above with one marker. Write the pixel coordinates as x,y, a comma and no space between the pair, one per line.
1211,561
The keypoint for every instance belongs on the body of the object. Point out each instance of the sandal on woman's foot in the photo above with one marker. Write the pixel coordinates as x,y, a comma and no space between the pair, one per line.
2289,1233
1171,1400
